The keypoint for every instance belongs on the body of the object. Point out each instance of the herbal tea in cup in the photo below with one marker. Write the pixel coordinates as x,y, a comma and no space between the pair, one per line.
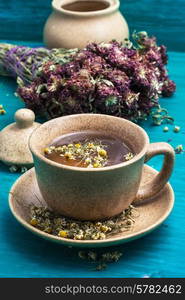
89,166
88,149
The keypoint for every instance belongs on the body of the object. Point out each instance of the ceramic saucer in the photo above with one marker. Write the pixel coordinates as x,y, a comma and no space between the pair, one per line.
151,213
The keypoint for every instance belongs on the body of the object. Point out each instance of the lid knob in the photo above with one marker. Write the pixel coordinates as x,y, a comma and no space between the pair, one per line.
24,118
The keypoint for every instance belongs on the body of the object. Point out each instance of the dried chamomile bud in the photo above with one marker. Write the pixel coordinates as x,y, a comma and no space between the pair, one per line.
165,129
179,149
176,129
128,156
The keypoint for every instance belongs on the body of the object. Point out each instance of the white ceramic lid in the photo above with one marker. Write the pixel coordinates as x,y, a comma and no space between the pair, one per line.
14,150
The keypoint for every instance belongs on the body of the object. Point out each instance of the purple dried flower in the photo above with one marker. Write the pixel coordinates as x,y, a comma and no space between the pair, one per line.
81,83
168,88
103,78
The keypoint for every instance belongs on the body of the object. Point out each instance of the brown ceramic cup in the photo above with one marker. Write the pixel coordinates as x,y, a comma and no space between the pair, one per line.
92,194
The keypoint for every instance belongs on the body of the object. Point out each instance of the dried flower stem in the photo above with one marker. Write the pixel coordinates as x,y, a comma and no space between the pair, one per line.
22,62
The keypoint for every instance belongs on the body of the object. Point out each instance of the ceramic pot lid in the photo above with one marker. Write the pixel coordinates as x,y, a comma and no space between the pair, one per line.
14,150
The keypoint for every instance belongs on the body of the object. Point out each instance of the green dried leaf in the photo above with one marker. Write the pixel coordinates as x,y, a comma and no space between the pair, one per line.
111,100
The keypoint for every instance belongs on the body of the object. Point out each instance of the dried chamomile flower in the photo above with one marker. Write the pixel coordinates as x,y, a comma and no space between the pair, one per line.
2,110
105,228
179,149
176,129
128,156
102,152
47,151
34,221
48,230
165,129
96,165
129,222
79,235
92,154
63,234
68,155
78,145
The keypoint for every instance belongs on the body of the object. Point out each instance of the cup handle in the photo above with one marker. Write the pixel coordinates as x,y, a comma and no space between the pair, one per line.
155,186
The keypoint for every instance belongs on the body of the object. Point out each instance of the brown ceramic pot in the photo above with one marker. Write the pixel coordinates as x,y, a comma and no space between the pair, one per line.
75,23
91,194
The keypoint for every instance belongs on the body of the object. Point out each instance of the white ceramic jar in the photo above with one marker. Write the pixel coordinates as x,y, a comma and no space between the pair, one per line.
75,23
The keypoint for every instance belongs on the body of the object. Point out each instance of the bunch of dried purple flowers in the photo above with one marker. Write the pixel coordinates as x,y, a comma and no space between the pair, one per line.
22,62
124,81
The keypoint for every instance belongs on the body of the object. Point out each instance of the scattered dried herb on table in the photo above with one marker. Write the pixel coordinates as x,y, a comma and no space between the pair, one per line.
165,129
124,81
179,149
101,259
16,168
176,129
57,225
160,116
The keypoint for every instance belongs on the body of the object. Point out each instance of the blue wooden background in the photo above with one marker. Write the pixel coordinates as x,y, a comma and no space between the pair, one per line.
160,254
24,20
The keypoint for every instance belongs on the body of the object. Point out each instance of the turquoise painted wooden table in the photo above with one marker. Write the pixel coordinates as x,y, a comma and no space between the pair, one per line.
160,254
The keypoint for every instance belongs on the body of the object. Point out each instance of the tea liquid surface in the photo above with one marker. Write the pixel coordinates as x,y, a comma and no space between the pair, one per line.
88,149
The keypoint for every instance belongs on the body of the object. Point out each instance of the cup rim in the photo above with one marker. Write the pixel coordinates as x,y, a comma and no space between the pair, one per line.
103,169
58,6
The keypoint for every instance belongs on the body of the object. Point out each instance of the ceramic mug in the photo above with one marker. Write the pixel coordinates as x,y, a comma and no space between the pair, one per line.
92,194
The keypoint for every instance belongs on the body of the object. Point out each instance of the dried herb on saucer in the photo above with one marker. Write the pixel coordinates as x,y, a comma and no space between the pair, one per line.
45,220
